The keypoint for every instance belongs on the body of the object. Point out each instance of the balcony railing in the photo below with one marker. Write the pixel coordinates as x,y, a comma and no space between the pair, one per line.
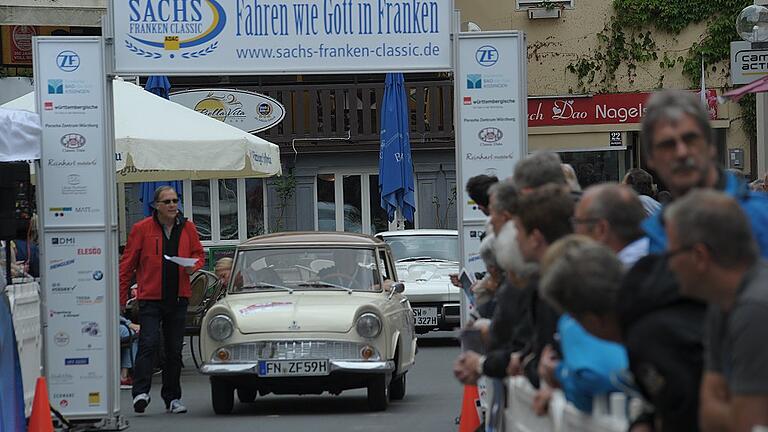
338,117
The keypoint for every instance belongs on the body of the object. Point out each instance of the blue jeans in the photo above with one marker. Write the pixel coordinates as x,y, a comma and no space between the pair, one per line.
128,353
156,317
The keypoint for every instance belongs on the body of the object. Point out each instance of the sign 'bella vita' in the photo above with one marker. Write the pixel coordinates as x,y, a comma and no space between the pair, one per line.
251,112
281,36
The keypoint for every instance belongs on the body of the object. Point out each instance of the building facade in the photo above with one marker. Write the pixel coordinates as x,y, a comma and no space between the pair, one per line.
329,136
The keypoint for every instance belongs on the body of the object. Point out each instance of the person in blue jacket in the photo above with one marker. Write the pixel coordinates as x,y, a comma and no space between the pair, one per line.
680,147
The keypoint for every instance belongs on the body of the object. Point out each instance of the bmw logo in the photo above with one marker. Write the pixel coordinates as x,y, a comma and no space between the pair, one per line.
98,275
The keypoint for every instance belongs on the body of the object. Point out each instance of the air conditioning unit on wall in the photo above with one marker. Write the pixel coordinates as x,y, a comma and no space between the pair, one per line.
544,13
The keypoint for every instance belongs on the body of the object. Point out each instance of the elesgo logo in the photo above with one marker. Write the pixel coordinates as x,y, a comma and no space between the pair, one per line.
179,29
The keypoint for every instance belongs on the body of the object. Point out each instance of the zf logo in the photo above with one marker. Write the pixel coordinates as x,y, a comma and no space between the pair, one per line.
487,56
68,61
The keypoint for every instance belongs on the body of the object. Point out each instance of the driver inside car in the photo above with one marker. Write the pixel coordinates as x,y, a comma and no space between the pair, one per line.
347,271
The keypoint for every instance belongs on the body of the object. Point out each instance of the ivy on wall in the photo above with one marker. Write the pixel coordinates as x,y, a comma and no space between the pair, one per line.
626,40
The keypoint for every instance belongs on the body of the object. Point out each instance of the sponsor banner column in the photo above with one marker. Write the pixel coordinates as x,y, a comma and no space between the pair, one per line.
70,91
491,128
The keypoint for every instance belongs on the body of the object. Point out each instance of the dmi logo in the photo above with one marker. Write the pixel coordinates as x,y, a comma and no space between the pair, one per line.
63,241
55,86
189,30
474,81
68,61
487,55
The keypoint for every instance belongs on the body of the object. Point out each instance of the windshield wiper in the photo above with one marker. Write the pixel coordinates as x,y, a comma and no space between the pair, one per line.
320,284
416,258
424,258
268,285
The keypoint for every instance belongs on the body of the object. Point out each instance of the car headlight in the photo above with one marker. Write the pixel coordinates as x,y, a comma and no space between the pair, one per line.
220,328
368,325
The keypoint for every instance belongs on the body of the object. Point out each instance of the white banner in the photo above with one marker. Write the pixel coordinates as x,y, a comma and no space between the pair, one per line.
492,130
76,351
196,37
70,89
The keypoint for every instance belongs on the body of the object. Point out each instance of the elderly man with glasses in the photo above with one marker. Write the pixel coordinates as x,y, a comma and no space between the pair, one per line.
163,293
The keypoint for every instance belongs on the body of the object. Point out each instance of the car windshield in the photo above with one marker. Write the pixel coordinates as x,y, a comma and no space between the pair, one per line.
289,269
424,247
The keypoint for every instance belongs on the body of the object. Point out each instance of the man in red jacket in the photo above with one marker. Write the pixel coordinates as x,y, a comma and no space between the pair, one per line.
163,293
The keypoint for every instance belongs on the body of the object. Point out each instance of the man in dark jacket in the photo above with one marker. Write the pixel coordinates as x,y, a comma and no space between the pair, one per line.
163,293
661,330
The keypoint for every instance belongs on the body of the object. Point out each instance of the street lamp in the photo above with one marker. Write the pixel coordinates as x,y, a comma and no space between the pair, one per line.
752,26
752,23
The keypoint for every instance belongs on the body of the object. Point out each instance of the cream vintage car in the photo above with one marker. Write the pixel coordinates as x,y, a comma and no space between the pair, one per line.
307,313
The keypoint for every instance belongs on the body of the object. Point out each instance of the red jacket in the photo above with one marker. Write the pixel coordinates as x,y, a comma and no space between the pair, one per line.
144,256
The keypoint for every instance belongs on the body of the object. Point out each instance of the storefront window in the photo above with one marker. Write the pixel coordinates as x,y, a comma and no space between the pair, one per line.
326,202
594,167
379,221
353,209
201,207
254,206
228,224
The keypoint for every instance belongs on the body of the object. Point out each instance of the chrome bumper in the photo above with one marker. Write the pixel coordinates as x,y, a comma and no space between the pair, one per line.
336,366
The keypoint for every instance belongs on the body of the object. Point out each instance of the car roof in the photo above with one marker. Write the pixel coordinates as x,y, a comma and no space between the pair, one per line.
313,238
418,232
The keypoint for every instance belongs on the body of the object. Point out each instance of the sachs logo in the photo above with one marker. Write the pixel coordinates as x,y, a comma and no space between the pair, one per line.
186,30
490,135
73,141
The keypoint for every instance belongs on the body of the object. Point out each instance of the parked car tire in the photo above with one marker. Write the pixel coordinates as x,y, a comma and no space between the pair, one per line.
246,395
222,396
378,393
397,387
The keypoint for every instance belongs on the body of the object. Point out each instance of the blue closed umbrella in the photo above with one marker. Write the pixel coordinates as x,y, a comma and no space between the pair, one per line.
395,164
159,85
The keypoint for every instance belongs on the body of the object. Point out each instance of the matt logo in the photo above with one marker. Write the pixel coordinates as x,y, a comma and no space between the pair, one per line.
68,61
487,56
55,86
474,81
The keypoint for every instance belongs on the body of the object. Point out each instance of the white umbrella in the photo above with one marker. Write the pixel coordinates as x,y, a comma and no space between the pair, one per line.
165,141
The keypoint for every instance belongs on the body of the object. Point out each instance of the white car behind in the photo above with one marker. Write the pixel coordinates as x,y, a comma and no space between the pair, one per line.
425,259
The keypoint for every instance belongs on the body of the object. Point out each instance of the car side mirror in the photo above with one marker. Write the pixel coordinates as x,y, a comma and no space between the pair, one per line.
397,287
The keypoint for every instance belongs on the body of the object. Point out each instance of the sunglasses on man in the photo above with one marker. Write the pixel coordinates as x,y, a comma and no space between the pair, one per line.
168,201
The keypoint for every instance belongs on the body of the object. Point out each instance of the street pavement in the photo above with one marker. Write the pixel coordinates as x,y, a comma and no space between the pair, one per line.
432,402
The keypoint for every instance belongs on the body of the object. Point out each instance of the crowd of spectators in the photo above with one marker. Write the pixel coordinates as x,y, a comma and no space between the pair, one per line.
619,288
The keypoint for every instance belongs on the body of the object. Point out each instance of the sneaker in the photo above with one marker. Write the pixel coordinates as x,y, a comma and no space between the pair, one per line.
176,407
140,402
126,383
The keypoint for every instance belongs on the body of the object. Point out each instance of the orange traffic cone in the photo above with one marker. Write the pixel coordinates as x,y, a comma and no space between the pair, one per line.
40,420
470,421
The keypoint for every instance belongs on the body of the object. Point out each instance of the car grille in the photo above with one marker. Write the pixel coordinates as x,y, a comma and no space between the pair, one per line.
295,350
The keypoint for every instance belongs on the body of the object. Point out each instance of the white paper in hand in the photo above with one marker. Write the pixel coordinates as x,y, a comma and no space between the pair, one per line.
184,262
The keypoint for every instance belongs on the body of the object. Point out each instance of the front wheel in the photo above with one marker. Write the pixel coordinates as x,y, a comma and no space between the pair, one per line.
378,394
397,387
246,395
222,396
